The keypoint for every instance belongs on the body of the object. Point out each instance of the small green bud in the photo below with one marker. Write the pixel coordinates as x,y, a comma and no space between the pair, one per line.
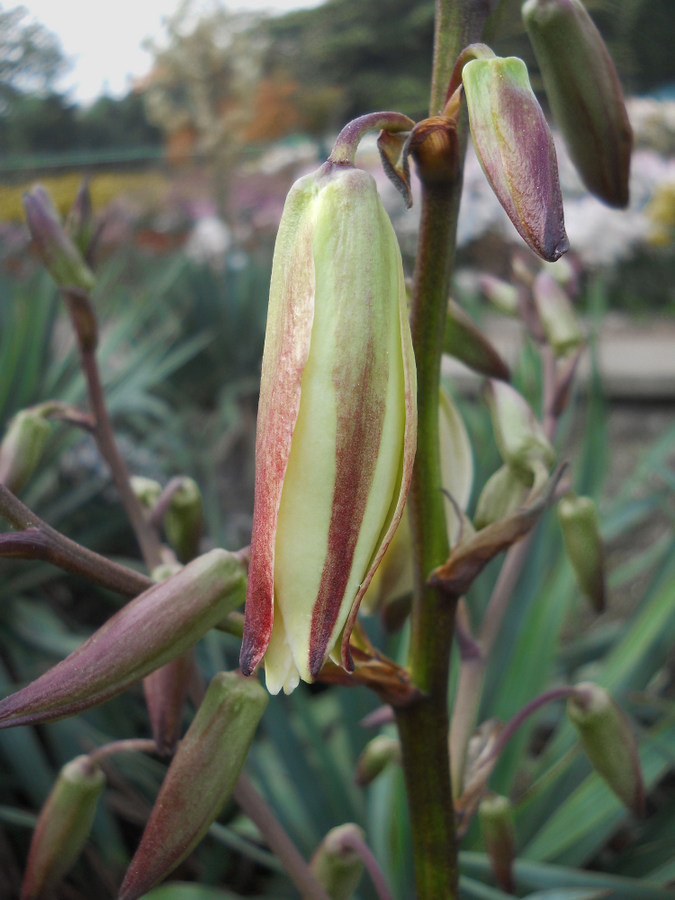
21,448
580,525
184,520
520,437
503,493
609,742
393,578
499,836
557,316
80,224
58,253
336,865
375,757
147,492
516,151
63,826
501,294
148,632
585,94
199,781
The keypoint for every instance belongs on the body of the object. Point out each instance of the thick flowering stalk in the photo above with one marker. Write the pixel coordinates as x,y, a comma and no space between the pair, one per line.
336,424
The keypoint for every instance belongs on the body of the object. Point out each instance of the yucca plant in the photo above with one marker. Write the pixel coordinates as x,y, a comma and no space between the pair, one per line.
457,703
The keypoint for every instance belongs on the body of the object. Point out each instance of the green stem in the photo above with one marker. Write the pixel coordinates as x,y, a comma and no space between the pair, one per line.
423,726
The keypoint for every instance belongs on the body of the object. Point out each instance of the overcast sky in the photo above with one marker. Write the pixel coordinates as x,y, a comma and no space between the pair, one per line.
103,40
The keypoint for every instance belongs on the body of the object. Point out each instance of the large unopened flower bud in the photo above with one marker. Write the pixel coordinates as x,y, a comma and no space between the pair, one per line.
148,632
516,151
22,447
607,737
585,94
63,826
199,781
336,424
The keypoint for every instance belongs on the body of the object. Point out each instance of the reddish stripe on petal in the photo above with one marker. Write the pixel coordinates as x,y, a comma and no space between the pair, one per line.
287,343
360,413
409,448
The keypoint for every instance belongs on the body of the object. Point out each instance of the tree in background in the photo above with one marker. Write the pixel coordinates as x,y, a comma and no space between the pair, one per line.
31,57
201,88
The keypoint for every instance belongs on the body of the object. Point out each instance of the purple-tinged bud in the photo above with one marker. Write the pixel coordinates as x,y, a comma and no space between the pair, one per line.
556,314
501,294
336,865
63,826
580,526
499,836
184,519
148,632
22,447
336,428
585,94
464,340
520,437
199,781
516,151
58,253
608,740
80,223
503,493
375,757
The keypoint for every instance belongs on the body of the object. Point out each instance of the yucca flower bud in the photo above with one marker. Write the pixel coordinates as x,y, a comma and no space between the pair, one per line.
585,94
503,493
63,826
336,865
557,317
607,737
58,253
199,781
147,491
22,447
515,149
501,294
520,437
375,757
580,525
148,632
497,827
184,519
393,578
336,424
81,225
